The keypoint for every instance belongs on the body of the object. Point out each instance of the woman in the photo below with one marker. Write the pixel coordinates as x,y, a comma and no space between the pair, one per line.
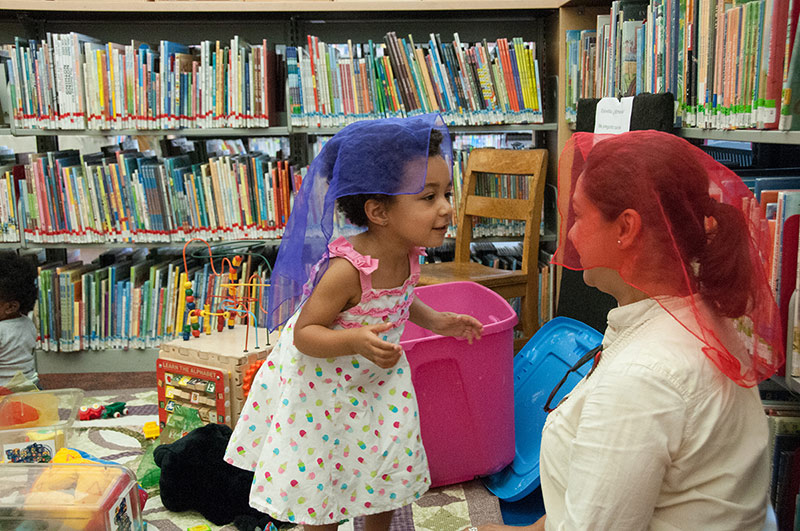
667,430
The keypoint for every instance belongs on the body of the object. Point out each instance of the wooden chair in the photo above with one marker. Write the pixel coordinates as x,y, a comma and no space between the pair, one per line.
524,282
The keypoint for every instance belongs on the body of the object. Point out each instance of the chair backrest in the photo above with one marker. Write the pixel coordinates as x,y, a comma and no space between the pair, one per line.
531,163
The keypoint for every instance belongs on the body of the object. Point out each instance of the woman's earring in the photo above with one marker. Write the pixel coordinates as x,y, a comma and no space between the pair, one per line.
619,242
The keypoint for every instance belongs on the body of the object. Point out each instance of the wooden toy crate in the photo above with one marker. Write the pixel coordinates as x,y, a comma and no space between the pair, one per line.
223,351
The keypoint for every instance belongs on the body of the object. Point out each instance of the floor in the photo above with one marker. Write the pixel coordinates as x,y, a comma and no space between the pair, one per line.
89,381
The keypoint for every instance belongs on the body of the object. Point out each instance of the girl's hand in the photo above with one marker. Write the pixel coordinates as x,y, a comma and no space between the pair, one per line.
365,341
458,325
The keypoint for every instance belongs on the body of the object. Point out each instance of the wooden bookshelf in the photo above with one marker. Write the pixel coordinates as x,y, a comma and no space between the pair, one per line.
489,128
216,132
281,22
571,18
125,245
743,135
178,6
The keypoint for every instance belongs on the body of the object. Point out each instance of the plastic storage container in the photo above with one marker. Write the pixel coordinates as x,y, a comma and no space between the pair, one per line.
75,496
538,368
33,426
465,392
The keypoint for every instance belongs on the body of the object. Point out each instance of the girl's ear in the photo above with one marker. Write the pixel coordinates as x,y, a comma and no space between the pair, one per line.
629,227
376,212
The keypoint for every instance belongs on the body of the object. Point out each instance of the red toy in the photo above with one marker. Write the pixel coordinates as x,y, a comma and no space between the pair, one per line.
91,413
13,412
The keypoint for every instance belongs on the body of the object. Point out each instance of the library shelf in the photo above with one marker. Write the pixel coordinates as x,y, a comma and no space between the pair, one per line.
742,135
274,6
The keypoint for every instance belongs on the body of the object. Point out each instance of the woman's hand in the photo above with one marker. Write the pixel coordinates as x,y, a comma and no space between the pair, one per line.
366,342
457,325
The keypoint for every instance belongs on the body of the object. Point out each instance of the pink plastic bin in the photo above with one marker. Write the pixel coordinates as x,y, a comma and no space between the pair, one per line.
465,392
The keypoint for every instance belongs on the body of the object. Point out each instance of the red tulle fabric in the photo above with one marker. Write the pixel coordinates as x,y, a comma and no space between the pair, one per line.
682,257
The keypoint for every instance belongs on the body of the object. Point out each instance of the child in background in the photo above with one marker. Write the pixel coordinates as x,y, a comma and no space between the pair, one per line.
18,294
331,425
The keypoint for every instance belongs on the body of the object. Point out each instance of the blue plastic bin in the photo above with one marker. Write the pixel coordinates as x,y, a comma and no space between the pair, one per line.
538,367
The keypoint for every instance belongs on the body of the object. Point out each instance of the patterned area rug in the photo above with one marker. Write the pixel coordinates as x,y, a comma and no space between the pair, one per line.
450,508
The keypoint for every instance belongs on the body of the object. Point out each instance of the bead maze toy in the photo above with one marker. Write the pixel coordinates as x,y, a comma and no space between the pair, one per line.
206,371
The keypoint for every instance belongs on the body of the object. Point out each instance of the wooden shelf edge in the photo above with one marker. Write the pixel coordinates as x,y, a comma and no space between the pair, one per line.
274,6
215,132
489,128
743,135
123,245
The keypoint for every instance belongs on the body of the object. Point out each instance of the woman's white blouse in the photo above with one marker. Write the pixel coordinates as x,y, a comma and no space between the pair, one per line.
656,438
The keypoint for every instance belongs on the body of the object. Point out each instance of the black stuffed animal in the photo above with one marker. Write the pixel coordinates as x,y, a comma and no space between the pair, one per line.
194,476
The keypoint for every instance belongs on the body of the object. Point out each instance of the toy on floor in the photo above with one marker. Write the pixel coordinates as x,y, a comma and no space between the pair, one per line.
206,374
151,430
241,299
194,477
95,411
115,410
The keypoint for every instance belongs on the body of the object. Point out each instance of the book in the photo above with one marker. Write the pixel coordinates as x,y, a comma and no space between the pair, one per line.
783,442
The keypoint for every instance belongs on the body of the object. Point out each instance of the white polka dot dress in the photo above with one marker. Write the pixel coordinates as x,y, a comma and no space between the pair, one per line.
330,439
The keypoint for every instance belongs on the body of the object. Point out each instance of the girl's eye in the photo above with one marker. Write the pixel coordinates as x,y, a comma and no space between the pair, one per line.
429,197
448,195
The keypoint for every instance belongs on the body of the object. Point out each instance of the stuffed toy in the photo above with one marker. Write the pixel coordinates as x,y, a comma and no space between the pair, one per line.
194,476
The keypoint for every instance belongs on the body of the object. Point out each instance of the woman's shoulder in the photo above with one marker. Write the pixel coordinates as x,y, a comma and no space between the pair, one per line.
667,350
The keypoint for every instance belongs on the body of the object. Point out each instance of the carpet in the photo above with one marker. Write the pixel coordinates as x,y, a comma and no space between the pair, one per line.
449,508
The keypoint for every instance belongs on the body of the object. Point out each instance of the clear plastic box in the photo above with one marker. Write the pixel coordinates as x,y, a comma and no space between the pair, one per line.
34,426
90,497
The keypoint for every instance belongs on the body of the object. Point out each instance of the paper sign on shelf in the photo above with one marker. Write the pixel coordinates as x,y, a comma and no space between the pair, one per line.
613,115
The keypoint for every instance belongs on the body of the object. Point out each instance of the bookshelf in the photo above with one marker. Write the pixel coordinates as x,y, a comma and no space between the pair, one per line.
283,23
170,6
743,135
772,145
216,132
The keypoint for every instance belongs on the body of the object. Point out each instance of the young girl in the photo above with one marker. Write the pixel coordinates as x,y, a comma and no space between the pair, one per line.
331,427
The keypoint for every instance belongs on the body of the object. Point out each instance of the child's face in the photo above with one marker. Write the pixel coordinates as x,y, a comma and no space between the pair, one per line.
422,219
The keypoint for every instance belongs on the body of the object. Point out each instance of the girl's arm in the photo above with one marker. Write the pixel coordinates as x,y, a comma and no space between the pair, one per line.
339,288
445,323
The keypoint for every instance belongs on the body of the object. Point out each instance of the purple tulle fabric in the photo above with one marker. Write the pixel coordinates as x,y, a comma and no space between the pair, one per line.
388,156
